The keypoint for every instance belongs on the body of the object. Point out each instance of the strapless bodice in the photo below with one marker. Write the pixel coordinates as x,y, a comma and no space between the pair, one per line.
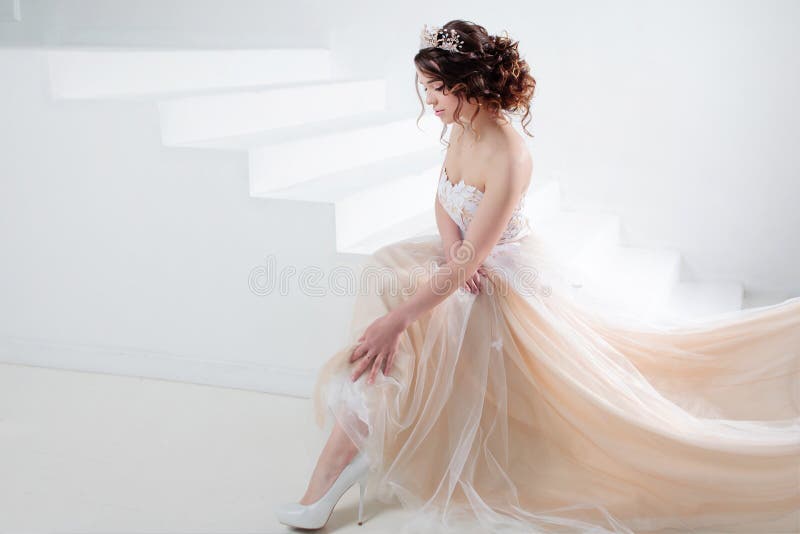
461,200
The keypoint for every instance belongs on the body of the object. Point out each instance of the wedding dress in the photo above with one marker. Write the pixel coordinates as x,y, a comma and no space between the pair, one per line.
521,409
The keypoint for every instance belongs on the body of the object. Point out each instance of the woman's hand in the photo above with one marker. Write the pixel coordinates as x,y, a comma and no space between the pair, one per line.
378,346
474,283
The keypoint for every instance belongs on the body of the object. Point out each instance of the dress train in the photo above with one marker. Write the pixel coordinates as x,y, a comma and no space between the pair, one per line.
521,409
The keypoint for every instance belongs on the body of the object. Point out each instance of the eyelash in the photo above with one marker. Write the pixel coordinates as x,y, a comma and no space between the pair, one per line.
435,88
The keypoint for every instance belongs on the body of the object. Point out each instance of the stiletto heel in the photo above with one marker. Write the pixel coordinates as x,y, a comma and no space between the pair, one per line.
362,486
316,514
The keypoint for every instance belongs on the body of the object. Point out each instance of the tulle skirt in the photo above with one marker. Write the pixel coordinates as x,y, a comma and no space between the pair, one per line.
523,409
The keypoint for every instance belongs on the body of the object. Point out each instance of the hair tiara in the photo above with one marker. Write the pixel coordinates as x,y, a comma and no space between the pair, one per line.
450,40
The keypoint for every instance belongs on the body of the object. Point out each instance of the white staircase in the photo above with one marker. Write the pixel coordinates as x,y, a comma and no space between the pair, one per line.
309,138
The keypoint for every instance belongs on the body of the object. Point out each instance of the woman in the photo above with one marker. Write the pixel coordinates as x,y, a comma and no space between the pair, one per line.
481,394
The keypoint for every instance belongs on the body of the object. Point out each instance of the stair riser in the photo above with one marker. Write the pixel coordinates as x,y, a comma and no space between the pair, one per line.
283,165
197,118
378,208
598,242
642,291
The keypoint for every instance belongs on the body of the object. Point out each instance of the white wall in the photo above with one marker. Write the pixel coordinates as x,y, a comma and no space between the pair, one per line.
679,116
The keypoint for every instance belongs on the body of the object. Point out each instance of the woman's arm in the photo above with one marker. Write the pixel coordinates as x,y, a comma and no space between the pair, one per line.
501,195
449,231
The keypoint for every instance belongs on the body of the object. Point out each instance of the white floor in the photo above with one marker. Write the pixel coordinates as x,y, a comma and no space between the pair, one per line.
91,453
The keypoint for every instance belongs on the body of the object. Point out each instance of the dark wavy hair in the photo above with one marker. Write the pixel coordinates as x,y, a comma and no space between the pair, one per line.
489,71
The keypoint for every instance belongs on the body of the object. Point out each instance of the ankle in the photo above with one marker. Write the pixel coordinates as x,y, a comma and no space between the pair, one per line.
339,460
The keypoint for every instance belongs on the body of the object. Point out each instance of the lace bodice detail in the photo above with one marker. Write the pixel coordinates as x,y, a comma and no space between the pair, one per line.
461,200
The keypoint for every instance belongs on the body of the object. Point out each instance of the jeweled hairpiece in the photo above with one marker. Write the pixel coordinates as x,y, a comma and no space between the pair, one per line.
450,40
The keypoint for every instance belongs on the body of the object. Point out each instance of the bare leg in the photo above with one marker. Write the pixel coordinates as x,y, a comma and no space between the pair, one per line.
337,453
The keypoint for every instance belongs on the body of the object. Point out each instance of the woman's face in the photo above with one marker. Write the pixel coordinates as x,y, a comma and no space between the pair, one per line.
438,100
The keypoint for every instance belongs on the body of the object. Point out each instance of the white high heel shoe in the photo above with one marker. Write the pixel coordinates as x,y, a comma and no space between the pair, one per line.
316,514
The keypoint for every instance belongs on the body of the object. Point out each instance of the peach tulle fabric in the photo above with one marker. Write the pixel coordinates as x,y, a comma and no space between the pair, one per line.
521,409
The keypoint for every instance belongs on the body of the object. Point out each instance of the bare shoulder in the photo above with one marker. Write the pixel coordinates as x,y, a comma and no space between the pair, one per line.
511,158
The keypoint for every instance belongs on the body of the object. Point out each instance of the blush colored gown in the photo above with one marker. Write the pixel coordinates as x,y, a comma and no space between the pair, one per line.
522,410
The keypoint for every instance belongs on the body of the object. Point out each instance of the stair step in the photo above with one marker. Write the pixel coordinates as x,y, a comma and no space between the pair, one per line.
574,236
337,185
633,280
109,72
372,198
421,224
251,140
695,300
381,207
763,298
188,119
276,165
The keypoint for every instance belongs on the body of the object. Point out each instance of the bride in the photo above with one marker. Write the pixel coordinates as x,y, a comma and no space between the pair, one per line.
477,391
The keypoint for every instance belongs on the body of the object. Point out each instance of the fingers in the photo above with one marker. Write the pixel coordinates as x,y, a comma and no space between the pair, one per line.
360,350
360,367
474,284
389,362
376,365
357,353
